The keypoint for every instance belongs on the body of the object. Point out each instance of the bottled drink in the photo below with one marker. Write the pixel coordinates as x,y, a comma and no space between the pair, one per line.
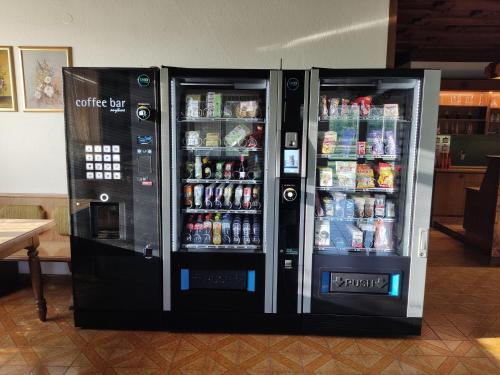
188,196
257,172
198,230
256,197
256,231
188,232
207,229
241,171
238,194
246,230
207,168
217,230
228,194
226,229
198,195
219,192
247,197
209,195
236,228
198,168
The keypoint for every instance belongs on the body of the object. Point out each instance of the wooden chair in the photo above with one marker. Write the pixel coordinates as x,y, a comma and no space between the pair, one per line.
482,210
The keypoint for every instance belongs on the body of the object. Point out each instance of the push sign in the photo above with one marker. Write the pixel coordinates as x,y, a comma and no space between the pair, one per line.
143,80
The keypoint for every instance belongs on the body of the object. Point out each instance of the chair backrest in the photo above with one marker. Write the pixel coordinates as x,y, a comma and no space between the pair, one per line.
61,217
22,212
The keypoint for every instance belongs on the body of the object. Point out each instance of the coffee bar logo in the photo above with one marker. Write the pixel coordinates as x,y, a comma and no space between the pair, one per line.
114,105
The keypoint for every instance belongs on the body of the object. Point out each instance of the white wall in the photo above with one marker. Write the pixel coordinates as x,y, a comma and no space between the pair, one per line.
189,33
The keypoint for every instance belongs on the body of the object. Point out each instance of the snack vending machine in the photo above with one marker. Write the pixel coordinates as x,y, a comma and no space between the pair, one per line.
370,162
112,126
218,195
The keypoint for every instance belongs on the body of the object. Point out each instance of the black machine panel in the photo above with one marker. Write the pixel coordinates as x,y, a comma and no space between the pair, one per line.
112,118
360,285
290,191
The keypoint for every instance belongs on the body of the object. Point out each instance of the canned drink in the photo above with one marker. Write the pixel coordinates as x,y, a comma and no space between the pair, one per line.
198,195
219,193
247,197
188,196
228,194
238,194
209,195
228,170
390,208
256,197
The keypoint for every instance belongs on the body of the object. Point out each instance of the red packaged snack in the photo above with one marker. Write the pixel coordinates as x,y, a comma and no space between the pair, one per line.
364,103
361,148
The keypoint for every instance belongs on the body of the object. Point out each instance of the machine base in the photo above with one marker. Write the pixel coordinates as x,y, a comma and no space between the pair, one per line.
316,324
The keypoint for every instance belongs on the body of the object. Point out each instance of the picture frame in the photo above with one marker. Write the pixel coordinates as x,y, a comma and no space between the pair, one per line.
41,72
8,94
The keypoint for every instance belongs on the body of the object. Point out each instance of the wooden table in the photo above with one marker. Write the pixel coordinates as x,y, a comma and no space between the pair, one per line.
18,234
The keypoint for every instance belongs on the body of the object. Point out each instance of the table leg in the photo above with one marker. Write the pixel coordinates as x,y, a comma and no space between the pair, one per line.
36,282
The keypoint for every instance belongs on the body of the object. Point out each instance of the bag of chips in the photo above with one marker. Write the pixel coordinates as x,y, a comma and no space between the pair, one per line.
385,175
364,177
346,173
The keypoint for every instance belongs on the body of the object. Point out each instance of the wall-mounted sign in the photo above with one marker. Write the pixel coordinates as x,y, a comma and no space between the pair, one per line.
464,98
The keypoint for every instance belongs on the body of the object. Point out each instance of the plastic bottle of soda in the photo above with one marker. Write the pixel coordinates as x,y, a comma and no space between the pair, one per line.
217,230
226,229
236,227
207,229
256,231
188,232
246,229
198,230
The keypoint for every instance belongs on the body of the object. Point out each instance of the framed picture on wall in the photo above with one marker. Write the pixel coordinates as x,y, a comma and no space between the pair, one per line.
8,97
41,69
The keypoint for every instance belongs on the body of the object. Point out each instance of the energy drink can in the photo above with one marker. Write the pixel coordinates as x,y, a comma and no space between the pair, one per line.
188,196
209,196
219,192
247,197
198,195
219,169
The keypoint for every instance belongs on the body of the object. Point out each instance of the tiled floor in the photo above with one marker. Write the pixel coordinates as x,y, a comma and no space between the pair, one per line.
461,335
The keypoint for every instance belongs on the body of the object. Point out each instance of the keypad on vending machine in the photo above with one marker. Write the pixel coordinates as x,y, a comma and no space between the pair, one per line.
102,162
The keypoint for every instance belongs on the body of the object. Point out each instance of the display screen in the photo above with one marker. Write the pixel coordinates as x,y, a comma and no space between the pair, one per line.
291,161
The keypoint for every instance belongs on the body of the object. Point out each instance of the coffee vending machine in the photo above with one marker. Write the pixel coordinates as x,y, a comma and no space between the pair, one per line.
112,133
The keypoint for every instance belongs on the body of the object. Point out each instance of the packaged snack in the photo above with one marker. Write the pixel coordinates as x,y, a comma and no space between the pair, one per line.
230,109
379,205
212,140
390,208
390,143
329,142
323,107
325,176
247,109
368,235
327,203
354,111
322,233
369,206
391,111
361,147
359,207
347,140
364,103
193,138
375,142
193,106
217,111
346,173
317,203
385,175
349,209
383,235
344,109
236,135
354,236
364,177
339,200
333,109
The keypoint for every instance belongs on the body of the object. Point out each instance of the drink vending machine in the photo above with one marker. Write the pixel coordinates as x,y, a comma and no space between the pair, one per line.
257,200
